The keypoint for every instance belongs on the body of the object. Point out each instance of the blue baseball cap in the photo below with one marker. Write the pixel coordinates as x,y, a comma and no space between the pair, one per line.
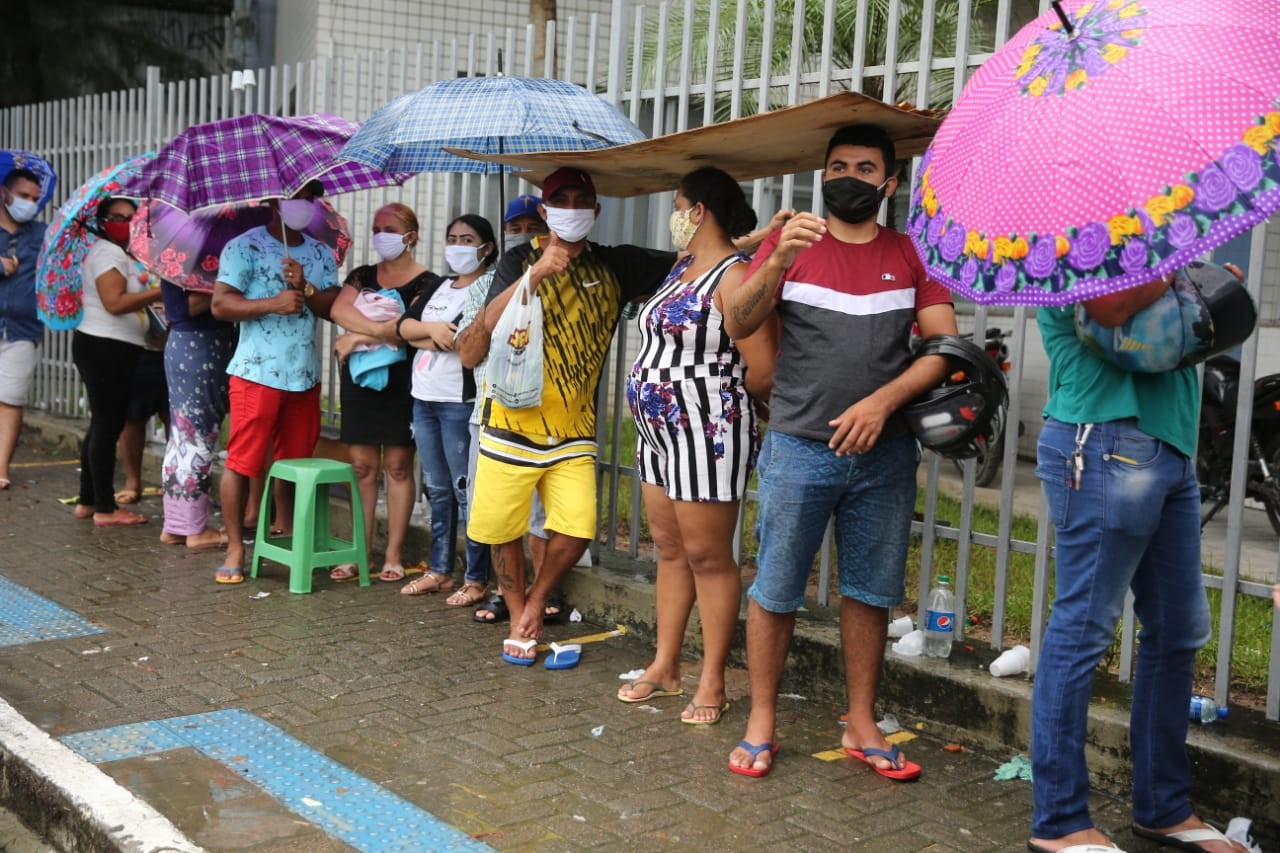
522,205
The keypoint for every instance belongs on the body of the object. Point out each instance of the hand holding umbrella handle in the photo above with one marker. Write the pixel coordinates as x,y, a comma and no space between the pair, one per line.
294,278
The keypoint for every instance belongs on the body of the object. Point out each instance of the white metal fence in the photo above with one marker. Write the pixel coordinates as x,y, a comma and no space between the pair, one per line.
772,52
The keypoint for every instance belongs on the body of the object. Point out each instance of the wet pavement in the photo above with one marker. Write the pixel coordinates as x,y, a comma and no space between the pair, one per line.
358,718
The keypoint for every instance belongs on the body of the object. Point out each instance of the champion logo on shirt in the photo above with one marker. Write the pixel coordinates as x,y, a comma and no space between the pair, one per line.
888,276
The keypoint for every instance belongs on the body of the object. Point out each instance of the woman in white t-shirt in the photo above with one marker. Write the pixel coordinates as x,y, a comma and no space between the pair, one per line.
106,347
443,393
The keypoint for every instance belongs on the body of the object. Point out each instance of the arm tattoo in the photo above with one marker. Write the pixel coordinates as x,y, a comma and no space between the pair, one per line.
742,313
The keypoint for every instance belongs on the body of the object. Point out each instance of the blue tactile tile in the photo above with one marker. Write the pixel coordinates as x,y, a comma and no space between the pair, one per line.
342,803
29,618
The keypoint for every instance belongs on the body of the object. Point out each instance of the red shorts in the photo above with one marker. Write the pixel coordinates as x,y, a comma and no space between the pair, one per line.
267,419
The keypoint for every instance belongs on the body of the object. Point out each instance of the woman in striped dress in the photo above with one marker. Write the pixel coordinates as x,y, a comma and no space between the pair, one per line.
692,397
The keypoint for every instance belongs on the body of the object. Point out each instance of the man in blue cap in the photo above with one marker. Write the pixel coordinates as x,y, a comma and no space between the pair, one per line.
20,330
522,222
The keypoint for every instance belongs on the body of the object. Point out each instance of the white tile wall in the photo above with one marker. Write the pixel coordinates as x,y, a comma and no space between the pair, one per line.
348,27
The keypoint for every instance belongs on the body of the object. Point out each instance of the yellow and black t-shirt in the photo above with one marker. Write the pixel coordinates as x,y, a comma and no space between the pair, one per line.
580,309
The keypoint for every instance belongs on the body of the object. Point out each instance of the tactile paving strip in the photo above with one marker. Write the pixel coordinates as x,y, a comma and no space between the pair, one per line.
29,618
342,803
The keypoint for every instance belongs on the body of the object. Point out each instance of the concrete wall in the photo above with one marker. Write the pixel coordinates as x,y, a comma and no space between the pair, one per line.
297,22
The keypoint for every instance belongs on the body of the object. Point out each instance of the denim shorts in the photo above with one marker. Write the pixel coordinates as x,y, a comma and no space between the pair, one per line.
871,496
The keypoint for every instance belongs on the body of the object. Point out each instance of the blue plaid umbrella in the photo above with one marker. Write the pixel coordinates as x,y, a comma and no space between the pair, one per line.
34,163
485,115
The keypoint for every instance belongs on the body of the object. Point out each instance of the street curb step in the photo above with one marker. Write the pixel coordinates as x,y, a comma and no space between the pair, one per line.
70,802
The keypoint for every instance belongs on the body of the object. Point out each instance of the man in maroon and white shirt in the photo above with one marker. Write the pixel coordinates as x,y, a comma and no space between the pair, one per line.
847,293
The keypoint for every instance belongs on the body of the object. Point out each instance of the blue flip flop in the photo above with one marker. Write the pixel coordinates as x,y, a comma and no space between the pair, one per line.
564,656
522,645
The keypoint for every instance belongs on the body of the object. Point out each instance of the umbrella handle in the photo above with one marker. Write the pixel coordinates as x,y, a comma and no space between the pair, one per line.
1062,16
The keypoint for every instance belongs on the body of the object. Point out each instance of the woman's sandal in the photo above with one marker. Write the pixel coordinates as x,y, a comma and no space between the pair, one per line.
428,582
391,574
471,592
344,572
128,496
496,607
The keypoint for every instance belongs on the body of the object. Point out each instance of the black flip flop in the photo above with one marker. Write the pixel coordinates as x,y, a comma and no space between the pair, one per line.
495,605
554,600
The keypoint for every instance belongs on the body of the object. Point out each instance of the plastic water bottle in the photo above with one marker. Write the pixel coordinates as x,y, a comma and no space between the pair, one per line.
940,618
1205,710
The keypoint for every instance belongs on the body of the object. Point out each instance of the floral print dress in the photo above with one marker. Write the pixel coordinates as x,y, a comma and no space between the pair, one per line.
696,432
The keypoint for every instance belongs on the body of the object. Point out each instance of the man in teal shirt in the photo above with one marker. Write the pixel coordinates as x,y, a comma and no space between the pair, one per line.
1117,459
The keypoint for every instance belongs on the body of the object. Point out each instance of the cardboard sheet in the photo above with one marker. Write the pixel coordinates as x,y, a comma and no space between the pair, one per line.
779,142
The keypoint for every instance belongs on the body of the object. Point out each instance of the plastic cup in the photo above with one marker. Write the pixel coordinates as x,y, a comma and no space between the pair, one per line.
900,627
1014,661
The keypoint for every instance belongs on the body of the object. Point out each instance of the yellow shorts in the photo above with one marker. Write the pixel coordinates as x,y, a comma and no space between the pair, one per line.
512,465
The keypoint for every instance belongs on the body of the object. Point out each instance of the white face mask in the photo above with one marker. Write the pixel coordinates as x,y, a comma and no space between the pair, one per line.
514,240
296,213
571,224
389,245
463,260
22,209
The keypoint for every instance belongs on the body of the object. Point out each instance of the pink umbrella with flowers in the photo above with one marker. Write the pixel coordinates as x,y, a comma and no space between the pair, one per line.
59,301
184,248
1108,143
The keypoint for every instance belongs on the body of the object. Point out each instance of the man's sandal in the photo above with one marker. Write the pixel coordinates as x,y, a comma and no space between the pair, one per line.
495,607
229,574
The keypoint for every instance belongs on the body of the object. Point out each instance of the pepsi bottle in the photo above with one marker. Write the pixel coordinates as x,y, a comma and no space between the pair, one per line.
940,619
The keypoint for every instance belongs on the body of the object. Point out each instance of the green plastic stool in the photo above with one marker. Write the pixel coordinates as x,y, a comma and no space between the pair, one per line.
311,546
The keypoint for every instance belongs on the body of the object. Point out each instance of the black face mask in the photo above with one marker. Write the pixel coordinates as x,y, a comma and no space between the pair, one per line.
852,200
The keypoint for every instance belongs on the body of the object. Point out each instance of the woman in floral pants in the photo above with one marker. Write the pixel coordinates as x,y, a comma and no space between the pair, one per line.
195,364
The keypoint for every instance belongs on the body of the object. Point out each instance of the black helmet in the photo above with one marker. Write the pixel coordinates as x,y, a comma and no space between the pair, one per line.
967,410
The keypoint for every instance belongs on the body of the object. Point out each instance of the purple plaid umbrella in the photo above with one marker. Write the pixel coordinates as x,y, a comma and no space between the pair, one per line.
184,248
253,158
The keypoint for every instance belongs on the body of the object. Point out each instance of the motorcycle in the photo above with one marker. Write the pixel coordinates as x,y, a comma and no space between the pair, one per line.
987,462
1217,439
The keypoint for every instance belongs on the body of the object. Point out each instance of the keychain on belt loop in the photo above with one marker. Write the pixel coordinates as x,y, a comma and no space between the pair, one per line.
1077,458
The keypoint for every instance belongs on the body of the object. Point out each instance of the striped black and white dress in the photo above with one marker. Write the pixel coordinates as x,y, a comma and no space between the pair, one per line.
696,433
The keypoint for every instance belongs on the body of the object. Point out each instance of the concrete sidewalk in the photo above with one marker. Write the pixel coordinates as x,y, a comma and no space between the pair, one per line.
362,719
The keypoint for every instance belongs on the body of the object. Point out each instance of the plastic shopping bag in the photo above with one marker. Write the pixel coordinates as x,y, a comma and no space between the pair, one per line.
515,351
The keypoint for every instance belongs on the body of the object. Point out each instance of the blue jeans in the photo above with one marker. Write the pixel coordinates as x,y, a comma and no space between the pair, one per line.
1134,523
443,439
872,496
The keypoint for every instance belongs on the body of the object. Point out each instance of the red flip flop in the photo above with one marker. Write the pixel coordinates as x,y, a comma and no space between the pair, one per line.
902,771
755,749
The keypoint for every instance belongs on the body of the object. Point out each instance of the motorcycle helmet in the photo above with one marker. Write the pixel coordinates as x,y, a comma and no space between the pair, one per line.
967,411
1205,312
